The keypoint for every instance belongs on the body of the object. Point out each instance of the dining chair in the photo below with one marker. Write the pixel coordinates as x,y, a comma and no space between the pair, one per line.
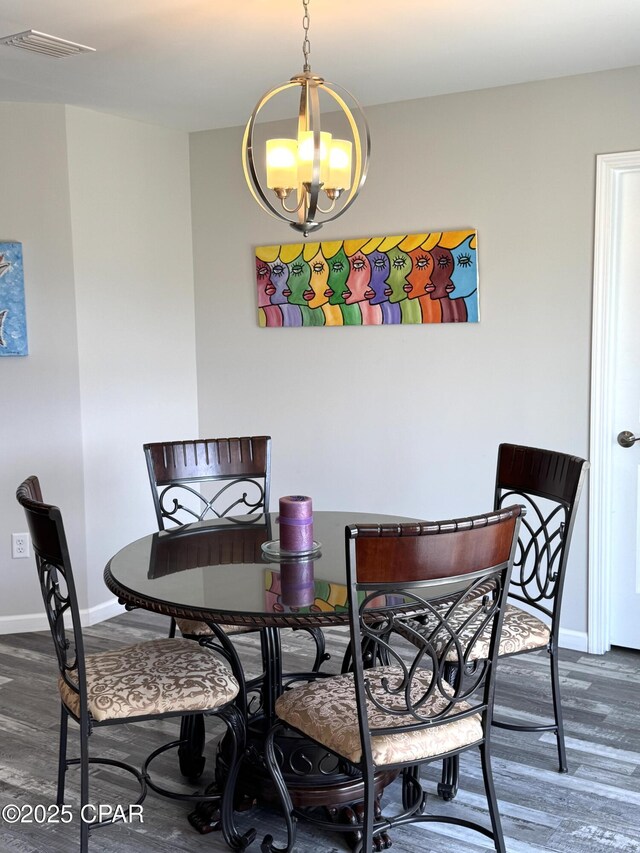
208,478
396,711
150,680
236,476
548,483
201,479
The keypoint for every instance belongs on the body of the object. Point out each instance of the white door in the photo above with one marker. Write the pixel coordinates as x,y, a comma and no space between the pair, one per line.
625,471
616,469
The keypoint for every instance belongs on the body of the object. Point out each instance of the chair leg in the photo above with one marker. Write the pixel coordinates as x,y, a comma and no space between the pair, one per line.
222,644
84,782
492,800
190,754
448,786
347,661
62,755
557,709
369,813
318,638
172,629
412,789
271,759
237,730
321,654
372,655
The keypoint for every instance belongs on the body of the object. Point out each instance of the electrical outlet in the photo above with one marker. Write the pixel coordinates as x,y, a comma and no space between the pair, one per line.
19,545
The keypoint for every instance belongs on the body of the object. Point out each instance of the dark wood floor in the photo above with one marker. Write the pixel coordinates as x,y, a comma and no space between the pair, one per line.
594,808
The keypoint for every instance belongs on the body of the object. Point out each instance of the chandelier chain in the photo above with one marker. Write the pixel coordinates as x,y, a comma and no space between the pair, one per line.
306,44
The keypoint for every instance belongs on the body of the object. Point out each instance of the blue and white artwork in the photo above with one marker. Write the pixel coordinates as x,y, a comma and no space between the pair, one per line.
13,319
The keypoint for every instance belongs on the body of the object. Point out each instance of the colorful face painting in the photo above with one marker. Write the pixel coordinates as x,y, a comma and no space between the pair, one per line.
329,281
13,322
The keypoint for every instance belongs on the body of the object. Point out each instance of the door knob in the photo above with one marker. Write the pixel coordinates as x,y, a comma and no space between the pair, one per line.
627,439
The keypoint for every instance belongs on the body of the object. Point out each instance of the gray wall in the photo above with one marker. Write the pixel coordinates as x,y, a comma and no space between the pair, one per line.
403,419
131,222
408,419
102,208
40,426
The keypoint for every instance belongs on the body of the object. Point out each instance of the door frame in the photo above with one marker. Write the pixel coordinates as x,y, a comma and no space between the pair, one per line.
611,170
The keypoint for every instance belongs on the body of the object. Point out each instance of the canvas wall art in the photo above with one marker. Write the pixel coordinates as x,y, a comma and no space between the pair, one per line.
374,281
13,321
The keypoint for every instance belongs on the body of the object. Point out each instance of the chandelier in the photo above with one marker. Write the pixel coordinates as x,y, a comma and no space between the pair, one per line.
313,168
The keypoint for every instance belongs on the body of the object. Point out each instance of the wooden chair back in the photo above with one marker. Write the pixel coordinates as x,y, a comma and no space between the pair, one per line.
57,584
209,478
548,484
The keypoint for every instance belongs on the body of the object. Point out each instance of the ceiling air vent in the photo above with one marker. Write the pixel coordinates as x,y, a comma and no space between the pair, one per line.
43,43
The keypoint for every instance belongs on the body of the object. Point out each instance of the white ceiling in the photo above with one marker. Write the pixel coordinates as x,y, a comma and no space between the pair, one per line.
196,64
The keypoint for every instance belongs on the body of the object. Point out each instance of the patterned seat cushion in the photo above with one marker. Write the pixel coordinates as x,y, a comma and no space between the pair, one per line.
326,711
521,631
193,628
161,676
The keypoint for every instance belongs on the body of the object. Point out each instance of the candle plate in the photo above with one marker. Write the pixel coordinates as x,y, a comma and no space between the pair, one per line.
273,550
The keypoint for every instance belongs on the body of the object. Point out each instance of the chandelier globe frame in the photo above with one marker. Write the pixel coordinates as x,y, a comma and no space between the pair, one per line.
323,167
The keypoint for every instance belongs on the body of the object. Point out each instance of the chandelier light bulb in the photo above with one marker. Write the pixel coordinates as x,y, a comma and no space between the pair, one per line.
307,153
340,164
282,163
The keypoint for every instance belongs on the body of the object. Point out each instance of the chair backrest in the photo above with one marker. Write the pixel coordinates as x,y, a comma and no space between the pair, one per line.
239,470
398,575
548,484
56,584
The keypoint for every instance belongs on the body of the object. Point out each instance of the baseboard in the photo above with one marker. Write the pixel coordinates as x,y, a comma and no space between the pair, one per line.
28,622
23,624
577,641
101,612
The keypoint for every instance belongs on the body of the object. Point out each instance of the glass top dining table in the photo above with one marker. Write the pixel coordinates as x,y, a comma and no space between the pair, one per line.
221,572
228,571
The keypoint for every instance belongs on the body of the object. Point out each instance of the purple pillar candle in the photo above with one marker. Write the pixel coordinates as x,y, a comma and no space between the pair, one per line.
296,523
296,583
